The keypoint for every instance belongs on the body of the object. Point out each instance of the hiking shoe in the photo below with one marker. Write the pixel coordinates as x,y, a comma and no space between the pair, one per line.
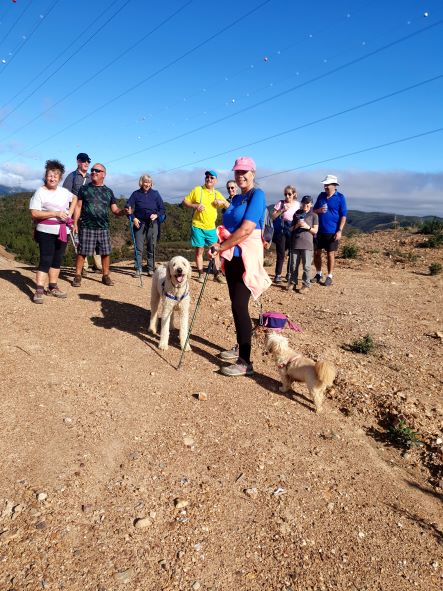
238,369
230,355
136,273
57,292
291,286
278,279
150,273
106,280
38,297
328,281
77,281
220,278
316,278
201,277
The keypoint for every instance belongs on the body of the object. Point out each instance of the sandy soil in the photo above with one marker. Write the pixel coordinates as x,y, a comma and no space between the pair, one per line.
247,490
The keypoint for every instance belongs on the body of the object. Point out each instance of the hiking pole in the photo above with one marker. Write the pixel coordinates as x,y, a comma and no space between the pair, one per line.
208,270
130,218
290,262
73,242
151,223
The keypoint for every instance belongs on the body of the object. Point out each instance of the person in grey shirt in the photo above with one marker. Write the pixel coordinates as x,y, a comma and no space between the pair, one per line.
305,227
74,182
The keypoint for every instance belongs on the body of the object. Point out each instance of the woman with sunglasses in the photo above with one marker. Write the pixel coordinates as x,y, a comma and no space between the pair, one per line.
283,215
241,248
231,188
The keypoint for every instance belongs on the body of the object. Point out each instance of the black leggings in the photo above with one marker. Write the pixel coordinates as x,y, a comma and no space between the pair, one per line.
51,251
240,294
282,244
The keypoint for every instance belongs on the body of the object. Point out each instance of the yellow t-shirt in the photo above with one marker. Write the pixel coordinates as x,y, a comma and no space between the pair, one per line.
205,220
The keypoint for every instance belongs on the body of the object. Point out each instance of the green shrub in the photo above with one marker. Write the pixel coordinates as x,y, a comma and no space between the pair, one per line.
431,227
364,345
403,435
349,251
435,268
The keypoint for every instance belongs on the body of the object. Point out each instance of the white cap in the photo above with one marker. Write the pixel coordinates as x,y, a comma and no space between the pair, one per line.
330,180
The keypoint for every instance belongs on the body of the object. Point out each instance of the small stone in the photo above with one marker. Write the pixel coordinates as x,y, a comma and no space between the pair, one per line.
142,522
124,576
41,525
87,508
202,396
196,586
188,441
331,507
42,496
439,441
434,564
361,534
180,503
251,492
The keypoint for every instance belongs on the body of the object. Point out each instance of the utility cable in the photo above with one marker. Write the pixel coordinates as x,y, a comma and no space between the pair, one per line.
17,20
140,83
47,66
304,125
28,37
276,96
355,153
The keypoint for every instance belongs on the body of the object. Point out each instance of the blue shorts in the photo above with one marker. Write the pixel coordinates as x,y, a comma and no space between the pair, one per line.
201,238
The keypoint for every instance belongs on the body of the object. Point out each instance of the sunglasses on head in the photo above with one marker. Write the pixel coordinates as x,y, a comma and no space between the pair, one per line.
96,170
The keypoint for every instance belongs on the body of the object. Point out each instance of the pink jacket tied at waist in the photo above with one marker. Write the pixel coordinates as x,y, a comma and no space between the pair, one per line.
255,277
63,234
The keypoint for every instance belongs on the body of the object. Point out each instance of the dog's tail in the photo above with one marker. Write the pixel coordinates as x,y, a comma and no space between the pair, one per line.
325,372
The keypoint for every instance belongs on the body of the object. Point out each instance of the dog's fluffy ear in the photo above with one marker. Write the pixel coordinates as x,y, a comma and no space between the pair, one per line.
189,273
168,271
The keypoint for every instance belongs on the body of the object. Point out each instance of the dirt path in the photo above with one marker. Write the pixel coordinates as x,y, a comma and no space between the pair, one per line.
100,421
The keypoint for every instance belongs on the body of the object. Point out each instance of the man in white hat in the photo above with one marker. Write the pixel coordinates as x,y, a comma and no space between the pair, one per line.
331,210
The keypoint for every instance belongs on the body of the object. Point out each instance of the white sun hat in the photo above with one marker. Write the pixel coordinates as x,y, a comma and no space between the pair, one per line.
330,180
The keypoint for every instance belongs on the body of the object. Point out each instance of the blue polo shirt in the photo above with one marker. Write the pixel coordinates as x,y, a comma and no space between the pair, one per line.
329,222
246,206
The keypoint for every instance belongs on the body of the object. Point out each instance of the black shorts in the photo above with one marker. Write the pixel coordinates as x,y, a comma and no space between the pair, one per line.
326,242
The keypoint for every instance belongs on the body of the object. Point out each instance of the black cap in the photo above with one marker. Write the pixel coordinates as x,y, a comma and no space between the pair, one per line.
83,157
306,199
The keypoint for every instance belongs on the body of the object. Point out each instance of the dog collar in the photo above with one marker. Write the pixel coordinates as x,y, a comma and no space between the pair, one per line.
173,297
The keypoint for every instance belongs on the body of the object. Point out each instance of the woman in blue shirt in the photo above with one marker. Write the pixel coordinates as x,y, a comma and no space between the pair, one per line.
149,211
243,261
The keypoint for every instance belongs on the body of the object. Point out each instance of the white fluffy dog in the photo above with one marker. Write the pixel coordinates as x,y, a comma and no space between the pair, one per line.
294,367
170,284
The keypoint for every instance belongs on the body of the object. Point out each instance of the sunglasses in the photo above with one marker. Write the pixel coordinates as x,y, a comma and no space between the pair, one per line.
208,176
96,170
288,194
231,188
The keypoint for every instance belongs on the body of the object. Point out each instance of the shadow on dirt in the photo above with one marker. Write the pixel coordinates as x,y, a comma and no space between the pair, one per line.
23,283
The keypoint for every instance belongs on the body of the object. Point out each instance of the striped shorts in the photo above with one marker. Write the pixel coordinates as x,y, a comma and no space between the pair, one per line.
94,241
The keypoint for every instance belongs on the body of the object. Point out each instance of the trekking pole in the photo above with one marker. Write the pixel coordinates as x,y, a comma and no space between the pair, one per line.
137,266
291,262
73,242
208,270
152,245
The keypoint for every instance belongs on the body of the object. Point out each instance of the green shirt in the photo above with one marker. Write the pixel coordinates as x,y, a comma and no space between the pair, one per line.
96,203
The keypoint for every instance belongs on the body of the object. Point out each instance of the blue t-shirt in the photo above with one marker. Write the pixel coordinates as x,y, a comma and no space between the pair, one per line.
329,222
246,206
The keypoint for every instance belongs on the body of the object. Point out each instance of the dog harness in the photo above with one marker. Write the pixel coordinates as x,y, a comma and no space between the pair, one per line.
173,297
290,360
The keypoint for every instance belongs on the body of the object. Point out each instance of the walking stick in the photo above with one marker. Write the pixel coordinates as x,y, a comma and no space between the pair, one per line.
73,242
130,217
291,261
208,270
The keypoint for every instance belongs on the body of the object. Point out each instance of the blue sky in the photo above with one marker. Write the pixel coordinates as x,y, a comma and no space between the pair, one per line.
175,88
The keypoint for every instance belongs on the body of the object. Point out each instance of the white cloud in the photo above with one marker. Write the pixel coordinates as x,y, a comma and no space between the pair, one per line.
401,192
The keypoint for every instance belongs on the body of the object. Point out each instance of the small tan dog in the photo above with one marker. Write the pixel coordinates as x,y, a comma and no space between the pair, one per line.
294,367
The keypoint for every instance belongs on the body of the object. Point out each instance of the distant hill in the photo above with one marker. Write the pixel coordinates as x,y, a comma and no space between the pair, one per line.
4,190
371,221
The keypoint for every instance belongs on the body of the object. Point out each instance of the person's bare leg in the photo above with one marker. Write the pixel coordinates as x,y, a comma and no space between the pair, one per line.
80,261
199,251
331,262
317,260
106,263
53,275
40,278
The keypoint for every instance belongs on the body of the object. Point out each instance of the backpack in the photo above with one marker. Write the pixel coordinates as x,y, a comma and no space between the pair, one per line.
277,321
268,230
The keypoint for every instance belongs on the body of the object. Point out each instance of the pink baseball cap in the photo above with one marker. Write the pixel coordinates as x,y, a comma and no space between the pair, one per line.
244,163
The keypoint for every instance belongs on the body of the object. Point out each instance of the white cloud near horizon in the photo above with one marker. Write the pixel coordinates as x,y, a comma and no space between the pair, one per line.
400,192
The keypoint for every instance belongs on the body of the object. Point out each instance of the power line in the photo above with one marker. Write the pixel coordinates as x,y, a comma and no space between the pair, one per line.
116,13
356,152
28,37
305,125
278,95
47,66
17,20
127,91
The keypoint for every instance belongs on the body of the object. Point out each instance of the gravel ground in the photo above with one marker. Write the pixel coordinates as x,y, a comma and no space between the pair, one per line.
116,475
